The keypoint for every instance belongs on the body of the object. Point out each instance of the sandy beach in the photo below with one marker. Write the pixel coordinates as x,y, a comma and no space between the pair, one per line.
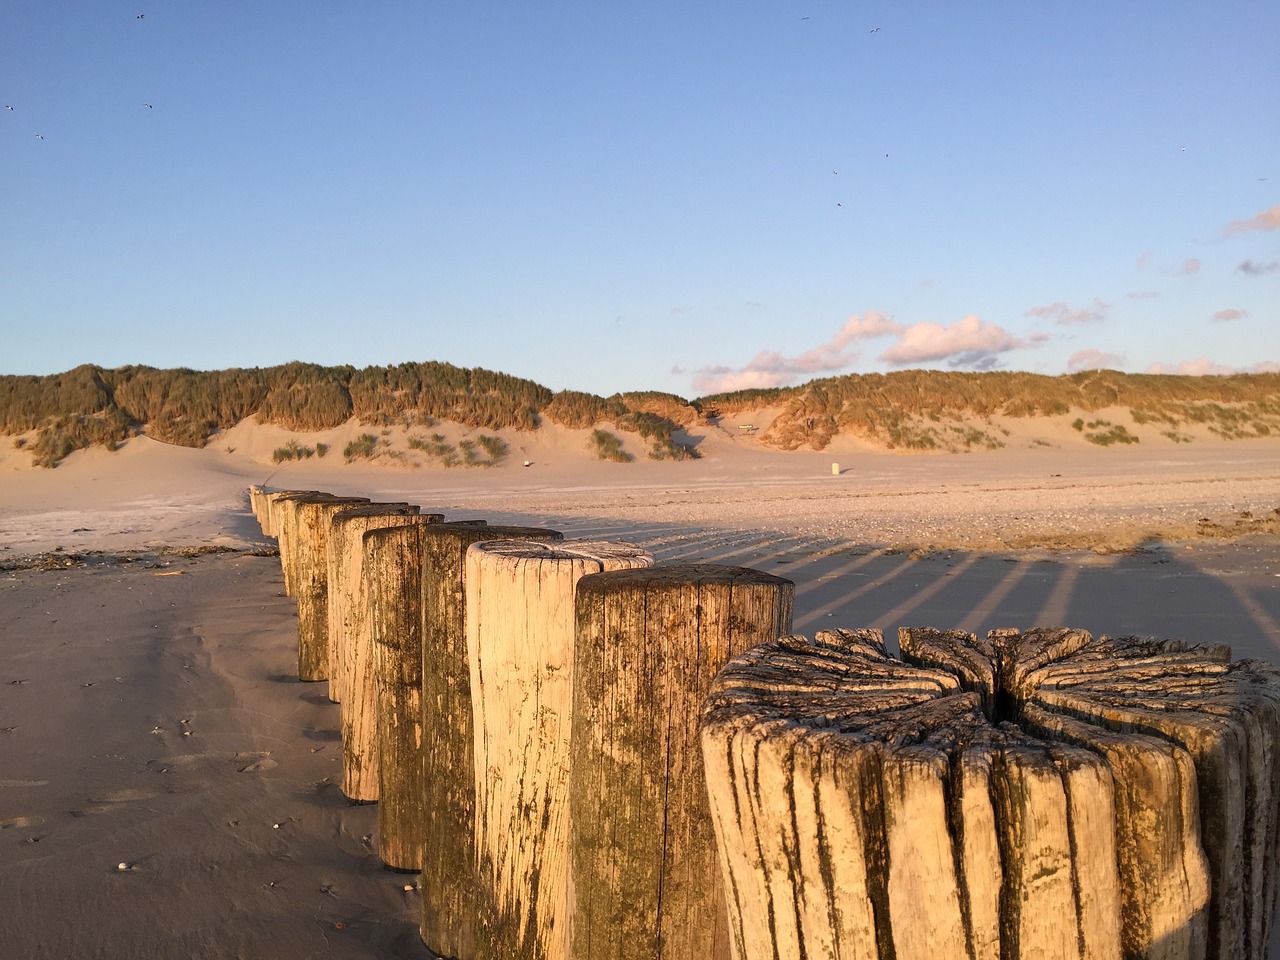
167,785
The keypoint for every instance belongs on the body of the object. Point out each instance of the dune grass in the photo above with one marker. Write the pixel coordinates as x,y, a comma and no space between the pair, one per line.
909,409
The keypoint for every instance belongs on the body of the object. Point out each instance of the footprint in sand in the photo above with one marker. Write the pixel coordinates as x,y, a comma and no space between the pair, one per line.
266,763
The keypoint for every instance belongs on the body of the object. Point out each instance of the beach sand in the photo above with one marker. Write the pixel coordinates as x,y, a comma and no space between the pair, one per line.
150,714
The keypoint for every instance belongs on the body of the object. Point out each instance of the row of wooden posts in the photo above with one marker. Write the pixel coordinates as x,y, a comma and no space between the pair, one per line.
515,701
588,755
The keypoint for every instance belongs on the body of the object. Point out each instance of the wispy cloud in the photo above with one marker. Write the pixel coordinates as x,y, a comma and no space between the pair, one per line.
770,368
1229,314
1203,367
1092,359
1096,312
1186,267
1255,269
970,342
1266,220
1142,295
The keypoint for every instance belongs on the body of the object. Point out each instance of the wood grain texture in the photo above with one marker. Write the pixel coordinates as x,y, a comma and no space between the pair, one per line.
351,650
284,507
520,641
258,505
348,596
648,644
448,888
309,528
1025,794
270,518
395,615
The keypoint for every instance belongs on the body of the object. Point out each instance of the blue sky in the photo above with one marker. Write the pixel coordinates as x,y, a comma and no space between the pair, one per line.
674,196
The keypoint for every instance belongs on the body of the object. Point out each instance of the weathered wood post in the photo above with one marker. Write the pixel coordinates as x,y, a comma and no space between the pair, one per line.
348,600
448,888
645,878
351,650
285,507
273,508
520,639
309,528
258,505
393,561
1037,794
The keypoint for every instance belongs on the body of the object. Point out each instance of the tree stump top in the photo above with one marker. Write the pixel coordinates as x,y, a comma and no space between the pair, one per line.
468,531
677,574
1128,788
373,509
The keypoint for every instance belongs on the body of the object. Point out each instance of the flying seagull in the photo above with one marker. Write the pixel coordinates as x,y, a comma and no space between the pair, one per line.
39,136
875,29
141,16
148,106
7,107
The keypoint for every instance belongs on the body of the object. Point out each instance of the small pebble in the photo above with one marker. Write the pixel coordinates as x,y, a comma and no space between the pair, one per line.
122,866
408,888
275,826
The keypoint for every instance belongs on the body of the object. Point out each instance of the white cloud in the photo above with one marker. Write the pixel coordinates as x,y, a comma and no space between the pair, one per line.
1203,366
1200,367
769,368
970,342
1092,359
1096,312
1266,220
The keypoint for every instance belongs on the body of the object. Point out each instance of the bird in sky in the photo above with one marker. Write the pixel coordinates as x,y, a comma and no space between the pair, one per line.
148,106
7,107
39,136
875,29
141,16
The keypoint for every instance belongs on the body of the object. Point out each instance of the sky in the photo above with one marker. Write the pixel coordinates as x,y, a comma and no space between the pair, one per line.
602,196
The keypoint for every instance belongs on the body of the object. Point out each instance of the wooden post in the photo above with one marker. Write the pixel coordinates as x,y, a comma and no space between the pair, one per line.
1037,794
643,856
309,528
274,502
257,505
351,650
448,887
520,638
284,508
347,597
393,558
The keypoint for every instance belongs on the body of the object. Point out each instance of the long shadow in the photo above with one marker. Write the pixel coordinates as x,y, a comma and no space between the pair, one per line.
1202,592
